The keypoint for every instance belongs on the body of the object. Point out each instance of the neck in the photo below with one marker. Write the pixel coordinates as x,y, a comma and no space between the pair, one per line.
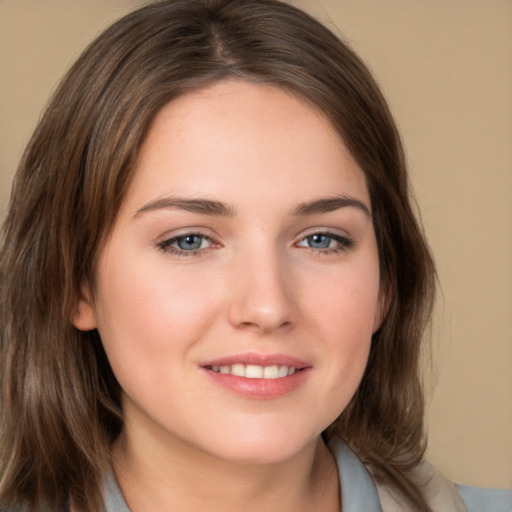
155,478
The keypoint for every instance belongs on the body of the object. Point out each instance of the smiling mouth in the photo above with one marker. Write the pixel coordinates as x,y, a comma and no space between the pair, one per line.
258,376
252,371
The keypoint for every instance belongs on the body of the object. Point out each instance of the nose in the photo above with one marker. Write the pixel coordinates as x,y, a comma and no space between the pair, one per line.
262,298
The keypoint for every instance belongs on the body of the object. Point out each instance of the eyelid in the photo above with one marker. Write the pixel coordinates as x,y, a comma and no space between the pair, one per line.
334,232
165,243
346,241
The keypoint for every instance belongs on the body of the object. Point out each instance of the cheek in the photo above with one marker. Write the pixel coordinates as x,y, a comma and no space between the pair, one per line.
348,304
147,314
345,316
350,330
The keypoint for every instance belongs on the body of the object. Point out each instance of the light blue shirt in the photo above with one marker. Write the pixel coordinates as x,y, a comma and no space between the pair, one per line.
359,493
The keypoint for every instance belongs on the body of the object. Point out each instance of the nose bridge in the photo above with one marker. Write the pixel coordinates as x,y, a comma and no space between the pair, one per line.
262,296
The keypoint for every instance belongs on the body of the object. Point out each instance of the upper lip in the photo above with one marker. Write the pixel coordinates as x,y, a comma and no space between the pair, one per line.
258,360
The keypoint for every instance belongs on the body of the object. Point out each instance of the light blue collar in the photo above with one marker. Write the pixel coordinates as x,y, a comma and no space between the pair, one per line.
358,490
114,501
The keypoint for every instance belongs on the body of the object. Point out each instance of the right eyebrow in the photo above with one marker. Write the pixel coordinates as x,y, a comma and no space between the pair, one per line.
330,204
199,205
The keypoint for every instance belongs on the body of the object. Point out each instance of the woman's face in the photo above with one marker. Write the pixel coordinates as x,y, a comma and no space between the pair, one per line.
239,289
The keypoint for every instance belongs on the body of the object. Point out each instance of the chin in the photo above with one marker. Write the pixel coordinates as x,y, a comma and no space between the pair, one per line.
259,445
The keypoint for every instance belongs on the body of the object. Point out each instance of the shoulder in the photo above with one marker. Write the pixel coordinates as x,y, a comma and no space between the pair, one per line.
362,483
443,495
478,499
440,491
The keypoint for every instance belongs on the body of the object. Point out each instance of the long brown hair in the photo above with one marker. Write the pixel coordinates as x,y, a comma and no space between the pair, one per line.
60,402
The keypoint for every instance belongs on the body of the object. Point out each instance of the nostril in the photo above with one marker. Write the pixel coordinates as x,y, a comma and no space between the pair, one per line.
261,306
264,326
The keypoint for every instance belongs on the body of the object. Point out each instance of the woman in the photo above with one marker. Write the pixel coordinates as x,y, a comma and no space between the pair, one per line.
211,274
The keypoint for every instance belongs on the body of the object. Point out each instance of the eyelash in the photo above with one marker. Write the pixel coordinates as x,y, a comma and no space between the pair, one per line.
167,245
344,242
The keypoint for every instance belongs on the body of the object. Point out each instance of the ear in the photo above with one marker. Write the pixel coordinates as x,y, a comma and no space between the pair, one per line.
84,317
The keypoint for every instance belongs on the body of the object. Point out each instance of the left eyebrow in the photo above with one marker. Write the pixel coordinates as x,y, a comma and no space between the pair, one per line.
330,204
201,206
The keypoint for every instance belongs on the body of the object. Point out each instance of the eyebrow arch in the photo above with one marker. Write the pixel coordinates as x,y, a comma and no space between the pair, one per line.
330,204
201,206
217,208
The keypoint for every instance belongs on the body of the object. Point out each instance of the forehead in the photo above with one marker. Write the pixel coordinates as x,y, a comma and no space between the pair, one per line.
241,139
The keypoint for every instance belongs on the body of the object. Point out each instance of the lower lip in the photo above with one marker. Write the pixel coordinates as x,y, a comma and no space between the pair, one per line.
260,389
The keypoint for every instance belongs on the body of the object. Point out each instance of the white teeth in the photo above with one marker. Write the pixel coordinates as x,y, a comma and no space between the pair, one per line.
253,371
283,371
238,370
270,372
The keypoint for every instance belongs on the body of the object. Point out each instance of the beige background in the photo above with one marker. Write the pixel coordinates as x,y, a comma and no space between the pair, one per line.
446,68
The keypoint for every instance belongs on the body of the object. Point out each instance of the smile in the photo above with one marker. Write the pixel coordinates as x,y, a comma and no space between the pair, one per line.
258,376
252,371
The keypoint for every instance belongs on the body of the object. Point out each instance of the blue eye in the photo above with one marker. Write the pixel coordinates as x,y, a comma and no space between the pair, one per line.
319,241
329,241
190,243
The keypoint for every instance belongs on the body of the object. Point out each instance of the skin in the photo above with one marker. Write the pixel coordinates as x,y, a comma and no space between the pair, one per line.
258,284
